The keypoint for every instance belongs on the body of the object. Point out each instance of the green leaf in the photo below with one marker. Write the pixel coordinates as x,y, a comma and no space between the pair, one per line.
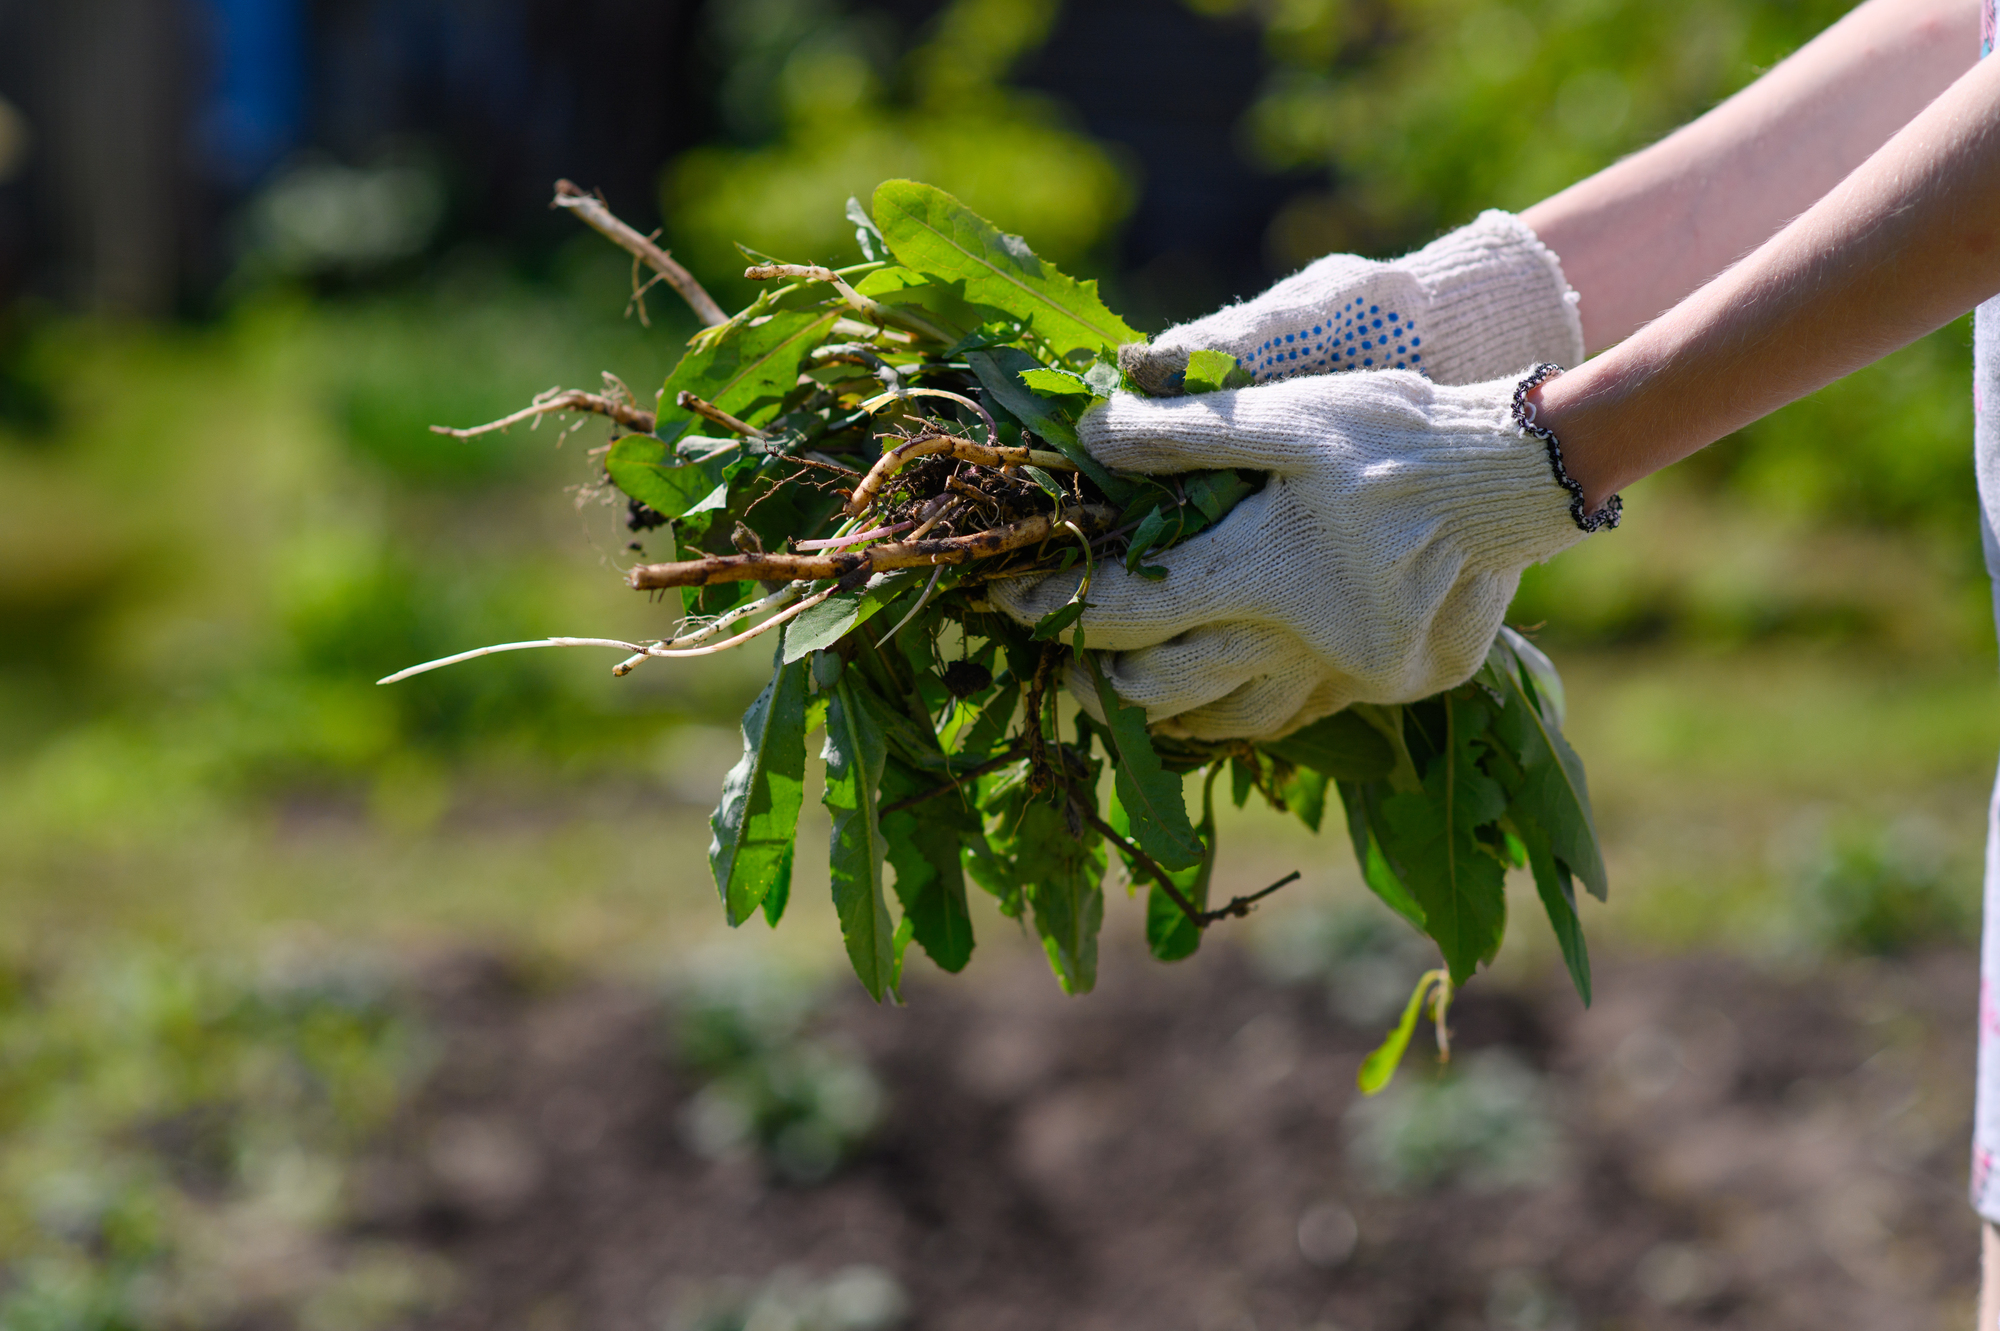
1003,371
1150,794
1046,482
1558,894
854,756
1380,1066
650,472
832,619
1065,890
866,234
1304,793
1209,371
1552,792
1365,829
1170,934
926,842
1058,383
1461,887
930,231
757,821
1216,492
745,370
1542,673
1151,528
1342,746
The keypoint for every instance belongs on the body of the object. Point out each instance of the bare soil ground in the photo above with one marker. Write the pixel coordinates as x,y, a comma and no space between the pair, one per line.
1712,1146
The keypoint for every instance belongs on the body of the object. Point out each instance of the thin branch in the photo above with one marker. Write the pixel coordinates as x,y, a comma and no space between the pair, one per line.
708,411
844,564
498,647
855,538
859,353
638,651
1240,907
860,304
601,219
1147,863
575,399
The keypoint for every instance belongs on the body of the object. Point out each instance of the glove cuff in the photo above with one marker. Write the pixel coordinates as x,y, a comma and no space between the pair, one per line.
1497,302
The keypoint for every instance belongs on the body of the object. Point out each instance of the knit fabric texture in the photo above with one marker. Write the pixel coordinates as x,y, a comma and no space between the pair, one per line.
1486,300
1374,565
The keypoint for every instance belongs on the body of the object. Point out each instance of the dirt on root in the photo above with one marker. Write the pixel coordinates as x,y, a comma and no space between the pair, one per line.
1710,1146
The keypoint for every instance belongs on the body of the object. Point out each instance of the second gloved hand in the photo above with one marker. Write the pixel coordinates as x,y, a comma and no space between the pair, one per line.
1486,300
1374,565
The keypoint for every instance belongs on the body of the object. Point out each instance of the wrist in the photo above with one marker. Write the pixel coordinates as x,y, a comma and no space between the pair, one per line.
1586,413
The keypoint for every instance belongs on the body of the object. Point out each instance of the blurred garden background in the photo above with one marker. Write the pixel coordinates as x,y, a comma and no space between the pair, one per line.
251,249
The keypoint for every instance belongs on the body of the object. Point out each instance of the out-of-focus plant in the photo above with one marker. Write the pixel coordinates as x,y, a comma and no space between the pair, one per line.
773,1088
823,103
854,1298
1483,1123
1878,889
173,1137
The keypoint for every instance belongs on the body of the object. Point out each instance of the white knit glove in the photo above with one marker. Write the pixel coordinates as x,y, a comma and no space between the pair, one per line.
1488,299
1374,565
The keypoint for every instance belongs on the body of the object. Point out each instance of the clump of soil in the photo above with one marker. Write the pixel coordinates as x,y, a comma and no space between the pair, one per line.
1710,1146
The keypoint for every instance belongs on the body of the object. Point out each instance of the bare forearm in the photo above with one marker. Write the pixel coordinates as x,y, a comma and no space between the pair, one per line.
1638,236
1905,244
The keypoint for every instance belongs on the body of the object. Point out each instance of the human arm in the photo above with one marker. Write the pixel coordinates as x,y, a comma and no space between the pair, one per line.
1906,243
1641,234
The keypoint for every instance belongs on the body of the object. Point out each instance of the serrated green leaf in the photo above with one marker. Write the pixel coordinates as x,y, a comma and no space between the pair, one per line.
1553,791
1150,794
1381,1065
854,754
745,370
757,821
1342,746
1430,840
930,231
1558,894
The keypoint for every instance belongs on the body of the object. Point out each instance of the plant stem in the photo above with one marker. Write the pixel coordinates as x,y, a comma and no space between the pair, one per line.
602,220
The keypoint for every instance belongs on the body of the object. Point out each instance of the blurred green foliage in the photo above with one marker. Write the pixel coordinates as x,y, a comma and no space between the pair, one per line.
772,1089
823,105
173,1138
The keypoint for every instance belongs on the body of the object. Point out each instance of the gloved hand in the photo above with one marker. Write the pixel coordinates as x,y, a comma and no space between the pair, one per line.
1488,299
1374,565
